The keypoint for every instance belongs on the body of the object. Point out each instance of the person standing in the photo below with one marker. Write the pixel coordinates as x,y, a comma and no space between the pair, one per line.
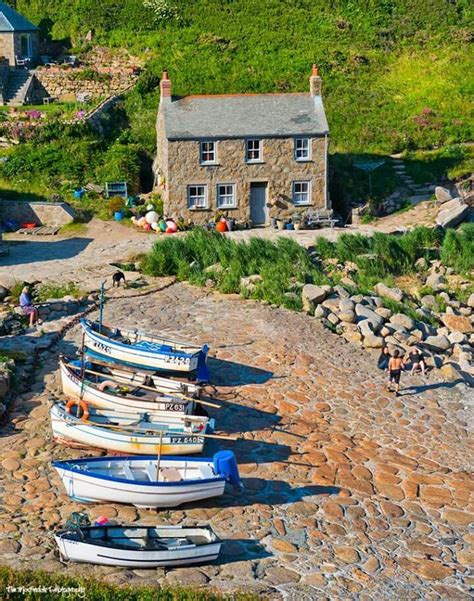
395,366
384,358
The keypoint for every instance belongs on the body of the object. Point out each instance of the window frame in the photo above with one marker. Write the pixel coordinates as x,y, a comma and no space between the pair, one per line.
202,151
234,196
294,193
194,207
295,150
260,150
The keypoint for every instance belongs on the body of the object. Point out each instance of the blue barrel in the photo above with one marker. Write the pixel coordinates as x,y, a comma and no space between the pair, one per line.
118,215
79,193
225,465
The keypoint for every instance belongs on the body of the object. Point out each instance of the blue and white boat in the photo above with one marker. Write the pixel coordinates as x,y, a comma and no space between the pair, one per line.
144,351
146,481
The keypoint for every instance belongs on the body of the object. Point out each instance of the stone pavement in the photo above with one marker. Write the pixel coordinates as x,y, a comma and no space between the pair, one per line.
348,493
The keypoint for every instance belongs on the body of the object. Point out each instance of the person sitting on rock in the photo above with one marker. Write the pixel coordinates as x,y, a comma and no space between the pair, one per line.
27,307
384,358
415,357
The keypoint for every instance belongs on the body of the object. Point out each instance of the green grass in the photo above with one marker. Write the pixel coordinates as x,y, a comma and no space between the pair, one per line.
73,228
94,590
458,249
281,264
56,291
394,76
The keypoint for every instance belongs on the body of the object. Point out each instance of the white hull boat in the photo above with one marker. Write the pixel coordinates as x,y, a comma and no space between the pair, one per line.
106,393
139,546
139,434
148,482
144,351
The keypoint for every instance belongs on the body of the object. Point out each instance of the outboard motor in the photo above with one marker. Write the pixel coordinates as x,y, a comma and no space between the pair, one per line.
225,465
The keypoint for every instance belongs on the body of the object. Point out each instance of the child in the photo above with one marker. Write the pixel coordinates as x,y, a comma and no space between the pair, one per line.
395,366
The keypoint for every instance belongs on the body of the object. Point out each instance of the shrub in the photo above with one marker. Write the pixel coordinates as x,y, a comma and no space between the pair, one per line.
50,290
115,204
457,250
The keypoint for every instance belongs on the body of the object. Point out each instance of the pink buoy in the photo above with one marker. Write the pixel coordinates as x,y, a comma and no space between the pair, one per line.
147,227
101,520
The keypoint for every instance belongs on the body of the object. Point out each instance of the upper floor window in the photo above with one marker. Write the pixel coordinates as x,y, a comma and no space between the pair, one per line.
302,193
208,152
226,197
302,149
197,196
253,151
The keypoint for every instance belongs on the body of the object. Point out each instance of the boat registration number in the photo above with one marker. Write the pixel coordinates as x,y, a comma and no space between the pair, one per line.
176,360
102,347
174,407
186,440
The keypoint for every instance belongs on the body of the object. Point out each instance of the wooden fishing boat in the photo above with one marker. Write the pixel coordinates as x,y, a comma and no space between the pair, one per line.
138,546
146,481
143,350
135,433
123,390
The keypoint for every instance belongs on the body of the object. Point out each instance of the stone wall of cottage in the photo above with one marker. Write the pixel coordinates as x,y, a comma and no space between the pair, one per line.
279,169
10,46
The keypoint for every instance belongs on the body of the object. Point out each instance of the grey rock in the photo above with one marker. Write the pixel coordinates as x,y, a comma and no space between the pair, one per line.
332,303
312,295
321,312
364,313
400,319
466,311
421,264
470,301
377,301
426,329
216,268
341,291
445,296
384,312
437,343
349,282
393,293
332,318
373,341
435,281
423,312
429,301
434,361
365,327
386,331
442,194
357,298
347,316
443,331
452,213
346,304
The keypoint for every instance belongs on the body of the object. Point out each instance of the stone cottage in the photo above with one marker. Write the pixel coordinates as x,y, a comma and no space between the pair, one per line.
19,39
253,156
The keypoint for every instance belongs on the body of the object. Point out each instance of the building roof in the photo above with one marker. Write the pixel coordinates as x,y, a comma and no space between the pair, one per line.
11,20
244,115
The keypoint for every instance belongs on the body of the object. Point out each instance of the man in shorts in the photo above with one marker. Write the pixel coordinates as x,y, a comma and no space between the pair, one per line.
395,366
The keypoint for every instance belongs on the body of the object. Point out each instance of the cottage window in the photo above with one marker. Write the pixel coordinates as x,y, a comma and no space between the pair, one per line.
301,193
197,197
208,153
226,197
253,152
302,149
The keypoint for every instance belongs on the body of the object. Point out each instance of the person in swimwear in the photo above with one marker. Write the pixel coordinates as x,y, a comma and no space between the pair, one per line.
395,366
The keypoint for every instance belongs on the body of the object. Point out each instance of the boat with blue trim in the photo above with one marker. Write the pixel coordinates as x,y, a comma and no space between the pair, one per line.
144,351
148,481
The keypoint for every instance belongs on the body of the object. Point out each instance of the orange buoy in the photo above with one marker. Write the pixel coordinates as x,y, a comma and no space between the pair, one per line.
83,408
221,226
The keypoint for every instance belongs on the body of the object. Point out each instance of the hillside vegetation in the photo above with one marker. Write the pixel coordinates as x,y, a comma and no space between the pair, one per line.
396,72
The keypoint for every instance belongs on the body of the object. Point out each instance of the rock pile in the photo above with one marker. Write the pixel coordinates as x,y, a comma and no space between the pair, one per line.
365,320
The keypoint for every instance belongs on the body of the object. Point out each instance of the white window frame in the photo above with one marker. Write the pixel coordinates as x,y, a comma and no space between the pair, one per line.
307,142
233,196
202,151
192,205
252,141
296,192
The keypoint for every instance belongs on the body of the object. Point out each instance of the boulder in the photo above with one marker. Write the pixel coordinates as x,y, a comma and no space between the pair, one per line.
457,337
470,301
421,264
364,313
349,282
452,213
437,343
442,194
332,318
4,293
347,316
351,333
341,291
313,295
345,305
393,293
384,312
373,341
250,283
400,319
331,303
451,372
435,281
457,323
321,312
429,301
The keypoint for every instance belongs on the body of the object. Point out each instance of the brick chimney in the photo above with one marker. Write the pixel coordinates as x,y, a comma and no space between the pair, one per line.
165,86
315,82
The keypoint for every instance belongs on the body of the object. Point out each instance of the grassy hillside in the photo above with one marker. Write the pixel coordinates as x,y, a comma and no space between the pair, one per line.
396,72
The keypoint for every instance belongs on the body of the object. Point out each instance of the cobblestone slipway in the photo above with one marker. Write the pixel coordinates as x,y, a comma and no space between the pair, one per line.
350,493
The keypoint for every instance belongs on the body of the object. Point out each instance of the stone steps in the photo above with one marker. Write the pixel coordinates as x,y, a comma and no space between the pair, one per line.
17,86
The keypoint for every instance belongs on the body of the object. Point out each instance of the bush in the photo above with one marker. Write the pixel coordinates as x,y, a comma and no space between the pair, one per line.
115,204
49,291
457,250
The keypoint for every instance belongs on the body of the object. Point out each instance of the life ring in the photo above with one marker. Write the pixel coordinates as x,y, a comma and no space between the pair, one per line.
82,406
107,384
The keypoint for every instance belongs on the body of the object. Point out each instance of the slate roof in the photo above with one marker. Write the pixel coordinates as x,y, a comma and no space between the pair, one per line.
10,20
244,115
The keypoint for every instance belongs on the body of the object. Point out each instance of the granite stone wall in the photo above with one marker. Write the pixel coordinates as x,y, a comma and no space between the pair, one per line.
41,213
178,165
10,46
